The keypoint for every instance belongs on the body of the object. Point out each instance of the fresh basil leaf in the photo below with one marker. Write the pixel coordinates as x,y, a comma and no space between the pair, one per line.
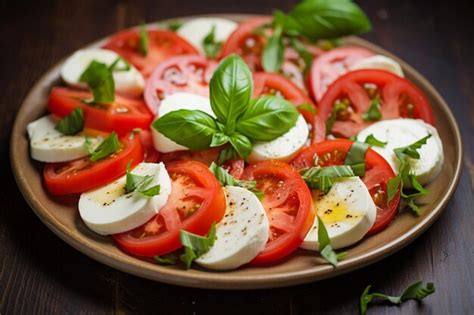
272,55
323,236
150,192
372,141
139,183
196,245
412,149
230,90
355,158
226,154
241,144
416,291
99,79
110,145
320,19
72,123
373,113
267,118
193,129
210,45
321,177
114,66
392,187
308,107
228,180
219,138
303,52
169,259
172,25
325,248
339,106
143,41
88,145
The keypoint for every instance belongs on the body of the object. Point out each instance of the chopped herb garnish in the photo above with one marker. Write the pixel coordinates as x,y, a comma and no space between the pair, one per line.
169,259
372,141
210,44
99,79
143,40
356,158
325,248
228,180
308,107
88,145
107,147
373,113
322,177
140,184
114,66
196,245
226,154
303,52
172,25
338,107
72,123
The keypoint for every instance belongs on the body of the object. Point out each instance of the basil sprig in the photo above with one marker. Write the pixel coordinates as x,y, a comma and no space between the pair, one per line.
355,158
416,291
321,178
210,44
140,184
98,77
405,176
196,245
110,145
240,120
72,123
325,248
374,142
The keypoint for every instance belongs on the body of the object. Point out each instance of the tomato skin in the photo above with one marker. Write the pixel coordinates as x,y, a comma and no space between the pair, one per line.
211,210
291,185
162,45
84,175
378,173
393,90
62,101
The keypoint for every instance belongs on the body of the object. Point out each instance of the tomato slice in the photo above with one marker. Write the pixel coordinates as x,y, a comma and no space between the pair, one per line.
151,155
80,175
161,45
378,173
331,65
276,84
287,202
179,74
196,201
121,116
398,97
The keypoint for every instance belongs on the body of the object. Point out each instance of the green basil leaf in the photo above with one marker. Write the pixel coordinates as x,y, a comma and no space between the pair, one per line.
321,177
139,183
241,144
325,248
196,245
303,52
308,107
169,259
355,158
150,192
110,145
72,123
172,25
228,180
230,90
88,145
339,106
210,45
412,149
267,117
219,139
143,41
272,55
392,187
373,113
115,67
323,236
99,79
372,141
226,154
365,299
193,129
319,19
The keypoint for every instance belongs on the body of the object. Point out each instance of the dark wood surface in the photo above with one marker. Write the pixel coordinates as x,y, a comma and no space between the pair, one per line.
41,274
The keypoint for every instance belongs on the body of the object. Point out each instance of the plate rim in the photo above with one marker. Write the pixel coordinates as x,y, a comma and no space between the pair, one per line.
213,280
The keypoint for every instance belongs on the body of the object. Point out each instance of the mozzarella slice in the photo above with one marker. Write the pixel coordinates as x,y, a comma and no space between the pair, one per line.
379,62
175,102
49,145
128,82
194,31
284,147
402,132
241,234
109,210
347,212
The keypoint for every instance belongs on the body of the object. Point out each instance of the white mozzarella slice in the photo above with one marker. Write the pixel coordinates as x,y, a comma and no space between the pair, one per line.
347,211
402,132
49,145
241,234
379,62
175,102
129,82
284,147
109,209
195,30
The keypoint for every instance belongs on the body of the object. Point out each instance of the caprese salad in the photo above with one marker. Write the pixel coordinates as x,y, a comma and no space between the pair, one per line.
225,144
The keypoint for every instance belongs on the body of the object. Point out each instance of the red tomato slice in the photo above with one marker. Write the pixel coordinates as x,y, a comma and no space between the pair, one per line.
161,45
80,175
399,98
378,173
179,74
196,201
287,202
151,155
331,65
121,116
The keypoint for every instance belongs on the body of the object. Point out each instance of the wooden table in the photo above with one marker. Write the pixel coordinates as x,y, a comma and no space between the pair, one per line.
41,274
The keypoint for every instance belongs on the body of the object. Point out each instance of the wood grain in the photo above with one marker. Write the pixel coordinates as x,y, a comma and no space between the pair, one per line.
41,274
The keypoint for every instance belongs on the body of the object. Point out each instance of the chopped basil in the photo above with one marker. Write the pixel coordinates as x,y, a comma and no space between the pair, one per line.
339,106
169,259
325,248
321,177
356,158
72,123
228,180
372,141
140,184
416,291
226,154
88,145
114,66
110,145
373,113
218,139
99,79
211,45
143,41
308,107
196,245
172,25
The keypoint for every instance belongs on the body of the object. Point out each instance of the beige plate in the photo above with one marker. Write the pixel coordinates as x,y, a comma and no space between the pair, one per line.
63,219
